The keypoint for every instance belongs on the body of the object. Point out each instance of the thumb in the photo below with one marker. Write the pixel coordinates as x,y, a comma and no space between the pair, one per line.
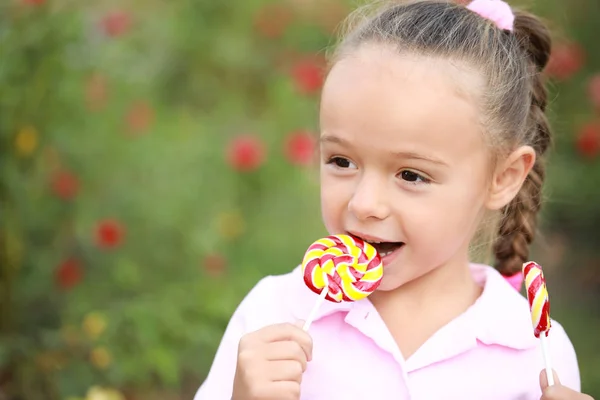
299,323
544,379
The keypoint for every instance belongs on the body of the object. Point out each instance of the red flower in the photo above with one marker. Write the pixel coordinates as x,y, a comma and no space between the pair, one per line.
65,185
139,117
272,20
308,75
565,61
116,23
109,233
300,147
588,142
594,91
69,274
246,153
214,264
96,92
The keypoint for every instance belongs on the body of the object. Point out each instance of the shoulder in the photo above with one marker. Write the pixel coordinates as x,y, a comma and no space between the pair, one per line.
505,319
563,356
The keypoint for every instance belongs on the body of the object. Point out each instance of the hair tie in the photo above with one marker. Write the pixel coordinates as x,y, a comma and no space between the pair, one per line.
515,280
496,11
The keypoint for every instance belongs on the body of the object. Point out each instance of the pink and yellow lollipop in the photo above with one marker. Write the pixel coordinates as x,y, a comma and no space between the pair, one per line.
341,268
539,305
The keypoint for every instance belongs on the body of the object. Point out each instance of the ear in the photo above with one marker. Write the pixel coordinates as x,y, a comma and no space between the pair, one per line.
509,177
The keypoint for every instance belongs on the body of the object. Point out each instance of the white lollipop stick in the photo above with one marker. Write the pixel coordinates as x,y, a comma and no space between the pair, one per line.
547,360
314,310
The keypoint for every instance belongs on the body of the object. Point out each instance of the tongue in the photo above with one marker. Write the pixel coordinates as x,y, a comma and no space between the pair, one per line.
387,246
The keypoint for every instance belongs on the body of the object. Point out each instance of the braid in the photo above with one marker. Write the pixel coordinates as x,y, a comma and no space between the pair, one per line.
517,228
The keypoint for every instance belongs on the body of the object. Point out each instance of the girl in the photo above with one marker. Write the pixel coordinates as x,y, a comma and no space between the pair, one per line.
432,136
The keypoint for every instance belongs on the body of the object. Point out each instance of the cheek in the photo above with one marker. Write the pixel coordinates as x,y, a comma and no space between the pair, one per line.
448,219
333,203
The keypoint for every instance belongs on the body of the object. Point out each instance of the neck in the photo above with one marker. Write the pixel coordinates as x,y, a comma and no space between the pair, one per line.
446,290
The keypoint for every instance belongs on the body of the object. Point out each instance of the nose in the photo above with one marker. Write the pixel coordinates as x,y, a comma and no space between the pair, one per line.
370,199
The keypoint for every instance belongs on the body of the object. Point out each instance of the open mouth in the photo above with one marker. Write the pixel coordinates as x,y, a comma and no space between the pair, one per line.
383,248
386,248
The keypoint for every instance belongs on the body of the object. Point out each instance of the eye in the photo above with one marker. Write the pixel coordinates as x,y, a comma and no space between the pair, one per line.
413,177
341,162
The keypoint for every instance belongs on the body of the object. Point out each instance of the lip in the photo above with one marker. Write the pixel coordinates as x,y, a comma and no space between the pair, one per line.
369,238
387,260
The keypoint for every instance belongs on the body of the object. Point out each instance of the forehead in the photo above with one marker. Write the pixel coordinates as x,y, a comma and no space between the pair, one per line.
426,103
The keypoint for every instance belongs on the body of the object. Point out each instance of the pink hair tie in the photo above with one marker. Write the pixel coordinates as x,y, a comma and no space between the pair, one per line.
515,280
496,11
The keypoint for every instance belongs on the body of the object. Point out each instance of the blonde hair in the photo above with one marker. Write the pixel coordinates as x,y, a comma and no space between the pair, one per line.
514,98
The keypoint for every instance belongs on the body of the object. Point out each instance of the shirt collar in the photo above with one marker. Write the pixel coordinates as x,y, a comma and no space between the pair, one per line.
500,316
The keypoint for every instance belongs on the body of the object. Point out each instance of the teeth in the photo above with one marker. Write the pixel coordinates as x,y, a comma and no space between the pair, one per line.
387,253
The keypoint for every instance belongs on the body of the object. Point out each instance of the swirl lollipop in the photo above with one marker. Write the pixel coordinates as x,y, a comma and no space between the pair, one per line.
341,268
539,305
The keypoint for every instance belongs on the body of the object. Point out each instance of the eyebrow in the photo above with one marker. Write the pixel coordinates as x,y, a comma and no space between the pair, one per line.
398,154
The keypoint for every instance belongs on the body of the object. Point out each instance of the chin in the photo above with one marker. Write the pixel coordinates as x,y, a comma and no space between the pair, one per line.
389,283
399,274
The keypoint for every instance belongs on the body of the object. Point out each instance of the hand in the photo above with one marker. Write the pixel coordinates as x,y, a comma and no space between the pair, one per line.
270,363
558,391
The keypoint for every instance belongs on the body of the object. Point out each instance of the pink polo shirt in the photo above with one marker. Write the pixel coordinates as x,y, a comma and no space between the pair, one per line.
489,352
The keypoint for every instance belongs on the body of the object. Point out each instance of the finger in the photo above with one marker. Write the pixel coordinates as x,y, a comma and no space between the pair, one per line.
286,331
284,390
288,350
285,370
269,333
554,393
563,393
544,379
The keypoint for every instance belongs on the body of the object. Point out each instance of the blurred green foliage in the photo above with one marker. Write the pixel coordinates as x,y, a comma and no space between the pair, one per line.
148,181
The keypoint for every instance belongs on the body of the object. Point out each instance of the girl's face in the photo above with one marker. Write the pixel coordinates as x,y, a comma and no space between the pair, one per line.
403,159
